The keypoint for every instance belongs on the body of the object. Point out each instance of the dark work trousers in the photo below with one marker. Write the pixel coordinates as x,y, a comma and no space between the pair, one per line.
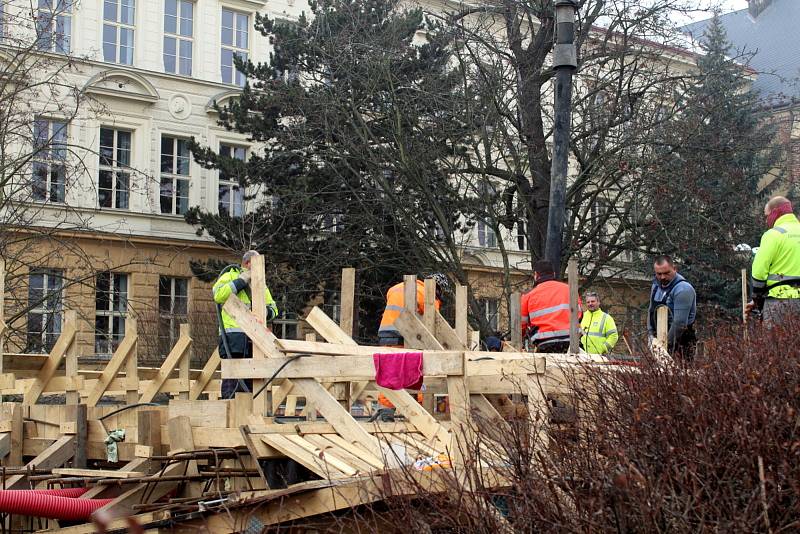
686,345
240,348
553,347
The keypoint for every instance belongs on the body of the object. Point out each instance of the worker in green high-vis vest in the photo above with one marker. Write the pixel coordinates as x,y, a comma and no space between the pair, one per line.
599,329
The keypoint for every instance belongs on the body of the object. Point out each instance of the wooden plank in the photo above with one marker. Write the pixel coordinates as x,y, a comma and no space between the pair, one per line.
132,360
139,465
429,316
414,332
301,456
515,319
461,429
574,323
347,301
111,370
462,312
375,461
335,368
410,292
505,367
178,352
104,473
201,413
258,285
327,328
447,335
142,494
53,456
71,359
52,363
328,447
183,366
662,325
413,411
77,415
327,456
12,412
200,383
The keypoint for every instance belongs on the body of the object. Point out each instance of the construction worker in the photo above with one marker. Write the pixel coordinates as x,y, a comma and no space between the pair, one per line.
545,310
236,281
388,335
672,290
599,329
776,266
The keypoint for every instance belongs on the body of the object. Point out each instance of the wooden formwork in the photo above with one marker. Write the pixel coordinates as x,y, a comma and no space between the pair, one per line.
198,461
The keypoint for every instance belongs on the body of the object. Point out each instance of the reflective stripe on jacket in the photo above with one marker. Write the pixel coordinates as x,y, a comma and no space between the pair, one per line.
395,304
229,284
546,307
776,266
599,332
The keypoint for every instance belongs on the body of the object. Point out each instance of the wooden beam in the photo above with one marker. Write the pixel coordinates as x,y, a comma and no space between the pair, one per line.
200,383
417,415
310,388
462,314
574,323
183,365
662,325
325,327
12,412
143,493
55,455
348,301
71,358
429,316
258,286
52,363
414,332
410,293
309,460
178,353
515,319
132,360
446,334
110,371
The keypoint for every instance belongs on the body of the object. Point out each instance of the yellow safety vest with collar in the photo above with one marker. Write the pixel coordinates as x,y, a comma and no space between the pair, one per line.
599,332
776,266
229,284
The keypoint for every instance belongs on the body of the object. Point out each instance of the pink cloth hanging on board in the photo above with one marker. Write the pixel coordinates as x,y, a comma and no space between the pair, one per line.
399,370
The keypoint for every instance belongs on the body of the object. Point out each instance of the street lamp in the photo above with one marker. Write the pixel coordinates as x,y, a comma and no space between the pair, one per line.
564,63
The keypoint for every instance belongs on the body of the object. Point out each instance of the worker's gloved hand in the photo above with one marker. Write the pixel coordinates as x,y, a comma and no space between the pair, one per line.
245,276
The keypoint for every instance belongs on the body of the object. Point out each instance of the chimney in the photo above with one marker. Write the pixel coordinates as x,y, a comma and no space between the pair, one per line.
755,7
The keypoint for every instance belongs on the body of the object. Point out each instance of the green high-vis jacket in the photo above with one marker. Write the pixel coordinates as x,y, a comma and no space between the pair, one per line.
230,284
776,266
599,332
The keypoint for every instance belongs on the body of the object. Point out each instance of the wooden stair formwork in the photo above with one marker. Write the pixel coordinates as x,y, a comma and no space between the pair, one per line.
197,451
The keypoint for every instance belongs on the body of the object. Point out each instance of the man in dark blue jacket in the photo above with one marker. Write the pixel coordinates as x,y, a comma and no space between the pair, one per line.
670,289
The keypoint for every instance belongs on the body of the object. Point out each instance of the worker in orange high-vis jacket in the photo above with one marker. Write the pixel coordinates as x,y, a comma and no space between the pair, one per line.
545,311
388,335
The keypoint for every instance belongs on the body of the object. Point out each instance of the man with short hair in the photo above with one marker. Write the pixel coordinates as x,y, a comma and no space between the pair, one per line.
599,329
776,266
236,281
545,310
672,290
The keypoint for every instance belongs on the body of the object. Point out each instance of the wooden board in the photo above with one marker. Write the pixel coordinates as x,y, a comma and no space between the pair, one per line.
103,473
302,456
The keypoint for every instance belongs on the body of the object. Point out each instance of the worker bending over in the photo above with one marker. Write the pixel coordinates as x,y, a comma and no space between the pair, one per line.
776,266
599,329
545,311
236,281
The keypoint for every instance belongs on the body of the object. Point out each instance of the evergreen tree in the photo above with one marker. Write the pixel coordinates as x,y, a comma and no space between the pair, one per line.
706,195
356,114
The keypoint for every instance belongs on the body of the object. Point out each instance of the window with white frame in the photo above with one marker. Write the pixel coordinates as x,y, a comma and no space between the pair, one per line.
54,25
178,36
235,42
114,178
230,194
174,175
111,309
49,160
489,309
45,288
119,21
486,235
173,310
522,237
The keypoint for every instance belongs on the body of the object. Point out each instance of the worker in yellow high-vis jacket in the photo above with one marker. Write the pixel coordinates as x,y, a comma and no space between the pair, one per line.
776,266
599,329
236,281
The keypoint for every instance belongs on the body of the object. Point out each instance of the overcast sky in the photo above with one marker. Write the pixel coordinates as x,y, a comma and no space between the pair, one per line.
725,6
